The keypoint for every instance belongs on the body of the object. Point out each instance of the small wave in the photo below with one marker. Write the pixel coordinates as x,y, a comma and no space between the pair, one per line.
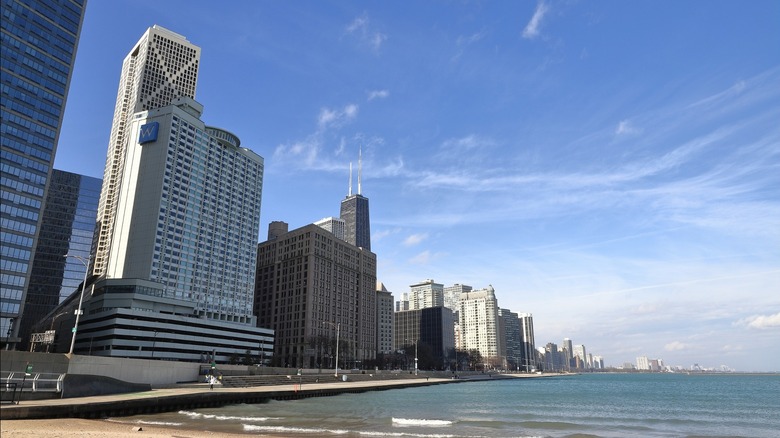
420,422
225,417
146,422
405,434
286,429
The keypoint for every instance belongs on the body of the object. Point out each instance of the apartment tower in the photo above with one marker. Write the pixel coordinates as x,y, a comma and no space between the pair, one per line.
479,323
529,345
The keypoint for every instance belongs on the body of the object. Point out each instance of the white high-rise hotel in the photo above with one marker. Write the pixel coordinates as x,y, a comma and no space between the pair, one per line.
161,67
179,217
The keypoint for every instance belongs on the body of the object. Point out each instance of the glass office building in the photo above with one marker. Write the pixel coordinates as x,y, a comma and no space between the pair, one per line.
38,49
67,227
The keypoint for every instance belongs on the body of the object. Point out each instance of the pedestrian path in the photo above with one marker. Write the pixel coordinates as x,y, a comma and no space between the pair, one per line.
192,396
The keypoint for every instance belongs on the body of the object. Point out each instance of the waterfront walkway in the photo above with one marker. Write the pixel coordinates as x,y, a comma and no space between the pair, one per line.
194,396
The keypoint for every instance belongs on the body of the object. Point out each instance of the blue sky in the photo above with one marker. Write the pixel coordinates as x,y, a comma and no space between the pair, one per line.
609,166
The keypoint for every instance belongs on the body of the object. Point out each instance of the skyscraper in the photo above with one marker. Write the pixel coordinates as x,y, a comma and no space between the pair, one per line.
179,216
568,353
317,291
384,319
334,225
161,67
354,212
529,345
179,282
39,41
431,332
66,229
513,338
479,322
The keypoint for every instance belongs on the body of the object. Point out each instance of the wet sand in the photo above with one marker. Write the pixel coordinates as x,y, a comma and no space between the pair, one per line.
78,427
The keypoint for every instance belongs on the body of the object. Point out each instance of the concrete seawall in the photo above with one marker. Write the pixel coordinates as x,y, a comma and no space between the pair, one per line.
191,397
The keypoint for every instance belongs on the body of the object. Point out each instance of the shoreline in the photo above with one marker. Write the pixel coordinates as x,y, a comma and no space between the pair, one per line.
114,425
80,427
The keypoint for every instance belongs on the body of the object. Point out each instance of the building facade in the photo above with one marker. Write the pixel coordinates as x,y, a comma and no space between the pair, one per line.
479,323
513,339
161,67
39,42
357,226
183,250
426,293
528,356
452,295
334,225
384,319
431,332
67,226
318,294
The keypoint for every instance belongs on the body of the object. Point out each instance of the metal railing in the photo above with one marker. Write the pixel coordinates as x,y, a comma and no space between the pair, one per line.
18,382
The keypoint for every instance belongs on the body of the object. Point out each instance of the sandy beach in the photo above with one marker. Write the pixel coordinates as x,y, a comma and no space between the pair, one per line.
69,427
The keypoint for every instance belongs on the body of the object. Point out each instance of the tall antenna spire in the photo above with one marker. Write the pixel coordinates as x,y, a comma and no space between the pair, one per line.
350,179
360,169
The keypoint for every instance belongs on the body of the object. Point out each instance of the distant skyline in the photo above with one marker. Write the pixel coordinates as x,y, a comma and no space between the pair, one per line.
610,167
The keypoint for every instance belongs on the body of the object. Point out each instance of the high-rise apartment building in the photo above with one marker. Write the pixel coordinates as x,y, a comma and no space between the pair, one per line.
426,293
403,303
528,356
513,339
553,359
384,319
580,356
479,323
568,352
161,67
39,41
317,291
452,295
67,225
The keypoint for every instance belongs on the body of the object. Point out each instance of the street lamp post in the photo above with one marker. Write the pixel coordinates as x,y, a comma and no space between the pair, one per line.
81,297
338,329
415,354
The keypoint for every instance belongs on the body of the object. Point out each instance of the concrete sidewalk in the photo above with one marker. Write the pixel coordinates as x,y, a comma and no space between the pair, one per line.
193,396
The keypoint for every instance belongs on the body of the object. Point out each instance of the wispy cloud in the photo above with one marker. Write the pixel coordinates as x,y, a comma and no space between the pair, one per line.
531,30
361,28
676,346
415,239
426,257
626,127
466,144
308,153
336,117
761,322
465,40
378,94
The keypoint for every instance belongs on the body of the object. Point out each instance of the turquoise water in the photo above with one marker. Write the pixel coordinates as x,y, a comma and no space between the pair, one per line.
599,405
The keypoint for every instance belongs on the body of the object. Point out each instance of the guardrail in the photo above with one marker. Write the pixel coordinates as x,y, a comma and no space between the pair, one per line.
18,382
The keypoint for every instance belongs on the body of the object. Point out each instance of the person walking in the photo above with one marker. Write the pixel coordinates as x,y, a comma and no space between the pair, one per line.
211,382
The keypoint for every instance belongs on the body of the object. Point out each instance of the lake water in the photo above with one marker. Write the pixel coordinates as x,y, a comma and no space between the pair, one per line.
590,405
